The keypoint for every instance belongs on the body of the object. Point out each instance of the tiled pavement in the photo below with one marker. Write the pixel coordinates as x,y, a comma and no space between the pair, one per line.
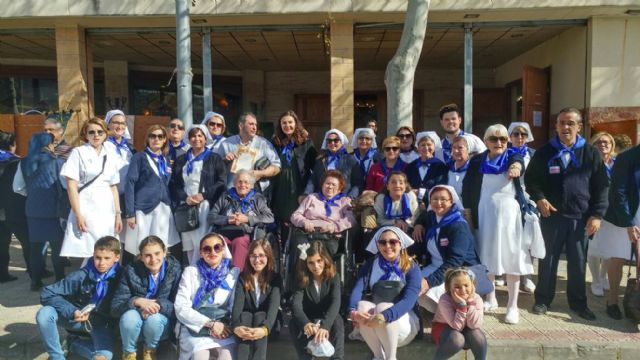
559,334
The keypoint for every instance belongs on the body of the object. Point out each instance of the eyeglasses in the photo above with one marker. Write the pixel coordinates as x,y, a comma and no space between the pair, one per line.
603,142
176,126
391,242
215,124
391,148
258,257
405,136
217,248
364,139
497,138
119,123
94,132
334,141
440,200
570,124
519,134
156,136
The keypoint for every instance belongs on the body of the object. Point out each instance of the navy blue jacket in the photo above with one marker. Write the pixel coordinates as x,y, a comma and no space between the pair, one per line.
144,189
213,179
575,192
134,283
456,245
408,296
13,204
245,301
436,175
75,291
625,185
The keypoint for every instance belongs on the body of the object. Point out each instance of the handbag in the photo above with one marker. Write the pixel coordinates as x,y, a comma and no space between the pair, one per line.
187,217
213,313
386,291
631,300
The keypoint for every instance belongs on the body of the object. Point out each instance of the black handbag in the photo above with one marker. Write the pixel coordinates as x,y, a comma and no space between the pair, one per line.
631,300
187,217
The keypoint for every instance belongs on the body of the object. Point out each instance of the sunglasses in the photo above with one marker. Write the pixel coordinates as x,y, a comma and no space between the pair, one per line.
391,242
156,136
334,141
391,148
519,134
217,248
120,123
95,132
405,136
215,124
496,138
176,126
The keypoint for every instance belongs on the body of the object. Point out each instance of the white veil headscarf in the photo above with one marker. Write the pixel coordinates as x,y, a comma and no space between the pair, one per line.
405,240
211,114
454,195
209,139
433,136
360,132
524,125
111,114
340,134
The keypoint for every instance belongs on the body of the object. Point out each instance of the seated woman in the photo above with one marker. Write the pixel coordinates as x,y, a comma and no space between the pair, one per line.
316,302
204,302
428,170
256,302
450,242
237,213
144,298
377,177
328,211
384,295
397,205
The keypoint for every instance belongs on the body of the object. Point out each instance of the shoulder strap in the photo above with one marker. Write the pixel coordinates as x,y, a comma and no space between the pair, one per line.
104,161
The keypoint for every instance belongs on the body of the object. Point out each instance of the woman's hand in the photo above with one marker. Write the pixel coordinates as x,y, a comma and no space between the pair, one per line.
321,335
118,224
257,333
219,330
308,227
150,306
131,222
402,225
78,317
310,329
242,332
361,317
424,287
514,170
82,223
377,320
328,228
241,218
634,233
593,225
418,232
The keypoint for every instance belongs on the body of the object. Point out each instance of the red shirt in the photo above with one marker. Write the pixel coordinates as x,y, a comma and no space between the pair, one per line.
376,176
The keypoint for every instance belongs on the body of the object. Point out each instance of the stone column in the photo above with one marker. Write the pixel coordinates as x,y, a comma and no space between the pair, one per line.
342,77
75,65
116,85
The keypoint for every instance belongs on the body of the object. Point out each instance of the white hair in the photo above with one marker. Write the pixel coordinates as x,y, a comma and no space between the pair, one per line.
249,173
496,130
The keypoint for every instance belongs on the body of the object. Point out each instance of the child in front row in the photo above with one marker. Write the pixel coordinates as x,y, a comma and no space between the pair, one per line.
459,317
63,301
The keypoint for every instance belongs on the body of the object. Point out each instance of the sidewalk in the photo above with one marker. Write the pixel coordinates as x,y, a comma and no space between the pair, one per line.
558,335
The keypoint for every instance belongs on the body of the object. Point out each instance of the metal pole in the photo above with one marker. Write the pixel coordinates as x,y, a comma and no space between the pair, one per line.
468,78
207,82
183,58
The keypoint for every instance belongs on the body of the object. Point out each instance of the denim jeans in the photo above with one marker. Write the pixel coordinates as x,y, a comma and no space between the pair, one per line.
154,328
101,336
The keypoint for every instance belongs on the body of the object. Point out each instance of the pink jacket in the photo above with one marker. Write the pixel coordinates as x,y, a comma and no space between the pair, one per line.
459,318
312,210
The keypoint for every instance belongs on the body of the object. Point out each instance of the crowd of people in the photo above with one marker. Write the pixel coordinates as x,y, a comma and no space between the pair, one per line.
174,239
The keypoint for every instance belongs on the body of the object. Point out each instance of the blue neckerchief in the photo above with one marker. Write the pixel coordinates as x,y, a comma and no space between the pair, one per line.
5,155
367,156
453,215
100,279
428,162
396,167
216,139
173,150
328,203
498,165
154,285
335,158
160,161
446,147
389,268
211,278
609,168
463,168
555,142
520,150
119,145
406,209
245,204
190,159
287,151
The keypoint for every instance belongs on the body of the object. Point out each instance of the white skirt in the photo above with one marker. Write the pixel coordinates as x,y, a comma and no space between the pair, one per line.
192,344
408,327
158,222
611,241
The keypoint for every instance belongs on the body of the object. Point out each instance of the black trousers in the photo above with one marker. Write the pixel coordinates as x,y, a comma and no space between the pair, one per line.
21,231
252,350
300,340
560,232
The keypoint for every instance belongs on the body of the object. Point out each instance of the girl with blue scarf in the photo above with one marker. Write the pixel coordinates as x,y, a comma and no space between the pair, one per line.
144,298
204,302
397,205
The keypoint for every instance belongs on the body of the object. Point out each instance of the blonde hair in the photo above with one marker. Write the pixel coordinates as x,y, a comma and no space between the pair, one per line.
597,136
496,130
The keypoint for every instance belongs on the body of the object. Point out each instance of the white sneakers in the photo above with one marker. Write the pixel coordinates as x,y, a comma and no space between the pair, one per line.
597,288
491,306
528,285
513,316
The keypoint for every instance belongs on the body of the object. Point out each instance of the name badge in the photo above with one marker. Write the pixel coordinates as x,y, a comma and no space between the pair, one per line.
444,242
554,169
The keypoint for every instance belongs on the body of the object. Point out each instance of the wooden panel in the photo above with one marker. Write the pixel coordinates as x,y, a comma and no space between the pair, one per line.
26,126
628,127
314,110
140,126
6,123
489,107
535,98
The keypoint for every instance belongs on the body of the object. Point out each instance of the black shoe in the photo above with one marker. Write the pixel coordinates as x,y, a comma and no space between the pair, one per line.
614,312
46,274
585,313
36,285
7,278
539,309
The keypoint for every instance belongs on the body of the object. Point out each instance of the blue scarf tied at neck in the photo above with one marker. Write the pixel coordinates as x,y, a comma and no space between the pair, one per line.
388,208
245,204
520,150
495,166
335,158
100,279
396,167
328,203
463,168
5,155
161,163
446,147
555,142
287,151
212,278
122,145
428,162
362,160
389,268
190,159
173,150
152,290
453,215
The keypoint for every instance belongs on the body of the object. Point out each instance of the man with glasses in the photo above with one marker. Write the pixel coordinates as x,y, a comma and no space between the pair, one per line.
451,120
568,181
177,143
265,163
217,126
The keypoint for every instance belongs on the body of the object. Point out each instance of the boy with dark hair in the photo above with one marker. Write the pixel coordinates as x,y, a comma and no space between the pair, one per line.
81,302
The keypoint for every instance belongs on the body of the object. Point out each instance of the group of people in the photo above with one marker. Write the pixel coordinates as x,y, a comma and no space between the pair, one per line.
174,237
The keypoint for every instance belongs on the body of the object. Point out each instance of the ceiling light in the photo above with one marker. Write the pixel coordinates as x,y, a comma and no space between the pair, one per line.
633,12
199,21
471,16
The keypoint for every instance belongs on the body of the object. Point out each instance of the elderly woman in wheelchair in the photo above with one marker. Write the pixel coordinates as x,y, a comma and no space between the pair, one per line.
240,215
